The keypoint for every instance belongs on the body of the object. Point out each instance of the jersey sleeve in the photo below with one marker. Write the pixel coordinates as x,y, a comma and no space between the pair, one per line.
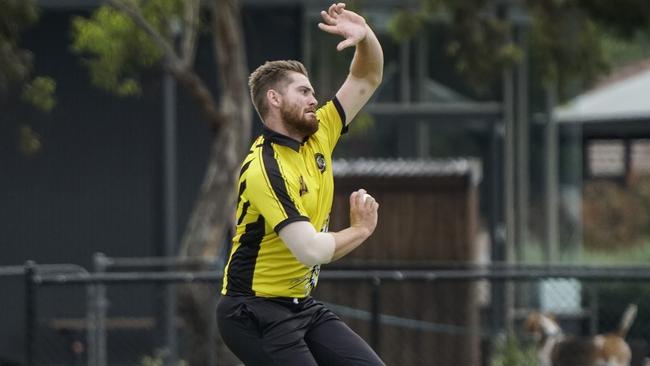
269,192
331,119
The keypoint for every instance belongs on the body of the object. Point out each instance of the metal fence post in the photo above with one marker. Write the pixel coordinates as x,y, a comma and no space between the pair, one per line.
91,323
30,311
375,310
101,306
593,310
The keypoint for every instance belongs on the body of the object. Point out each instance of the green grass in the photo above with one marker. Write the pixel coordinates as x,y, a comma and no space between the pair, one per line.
510,351
635,255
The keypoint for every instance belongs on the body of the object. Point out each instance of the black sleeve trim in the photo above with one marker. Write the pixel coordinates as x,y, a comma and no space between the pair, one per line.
242,188
278,184
244,210
244,168
339,108
288,221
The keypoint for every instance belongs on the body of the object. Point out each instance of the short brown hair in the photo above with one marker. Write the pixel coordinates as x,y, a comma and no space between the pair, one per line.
270,76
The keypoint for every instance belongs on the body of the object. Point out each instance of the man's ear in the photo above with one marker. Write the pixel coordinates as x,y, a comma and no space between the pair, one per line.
273,97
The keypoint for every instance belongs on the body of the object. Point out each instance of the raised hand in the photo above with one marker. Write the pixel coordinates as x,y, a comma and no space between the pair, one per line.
345,23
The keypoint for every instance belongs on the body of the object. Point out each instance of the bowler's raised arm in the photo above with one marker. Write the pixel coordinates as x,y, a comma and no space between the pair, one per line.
366,69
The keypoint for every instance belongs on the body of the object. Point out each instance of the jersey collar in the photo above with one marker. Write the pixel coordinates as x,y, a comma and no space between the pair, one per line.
281,139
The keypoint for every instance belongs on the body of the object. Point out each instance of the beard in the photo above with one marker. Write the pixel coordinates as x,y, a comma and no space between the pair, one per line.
297,122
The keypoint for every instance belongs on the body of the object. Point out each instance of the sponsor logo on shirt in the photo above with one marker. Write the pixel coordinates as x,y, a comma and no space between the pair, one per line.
320,162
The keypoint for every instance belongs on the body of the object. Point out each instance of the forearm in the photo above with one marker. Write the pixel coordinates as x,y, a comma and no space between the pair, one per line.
312,248
368,60
347,240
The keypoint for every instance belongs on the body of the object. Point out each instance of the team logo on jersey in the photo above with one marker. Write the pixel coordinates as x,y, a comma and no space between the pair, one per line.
320,161
303,186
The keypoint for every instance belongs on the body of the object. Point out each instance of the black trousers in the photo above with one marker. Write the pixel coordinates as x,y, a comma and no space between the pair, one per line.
267,332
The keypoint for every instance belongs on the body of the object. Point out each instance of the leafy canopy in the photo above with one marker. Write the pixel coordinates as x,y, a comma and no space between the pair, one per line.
117,49
567,39
15,17
16,63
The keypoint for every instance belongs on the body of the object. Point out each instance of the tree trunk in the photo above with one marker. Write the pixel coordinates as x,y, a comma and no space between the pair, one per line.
213,214
206,233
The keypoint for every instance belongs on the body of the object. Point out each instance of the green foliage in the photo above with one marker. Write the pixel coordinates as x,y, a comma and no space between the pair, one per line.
16,15
565,45
363,123
117,48
476,40
511,352
29,142
405,24
635,255
624,17
565,37
620,51
40,93
480,43
15,63
158,359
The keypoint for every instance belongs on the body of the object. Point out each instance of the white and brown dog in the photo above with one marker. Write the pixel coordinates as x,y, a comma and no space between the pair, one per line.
554,348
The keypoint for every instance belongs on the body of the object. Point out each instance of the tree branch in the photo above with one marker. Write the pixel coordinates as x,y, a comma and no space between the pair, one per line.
230,51
180,69
195,86
134,13
190,42
231,57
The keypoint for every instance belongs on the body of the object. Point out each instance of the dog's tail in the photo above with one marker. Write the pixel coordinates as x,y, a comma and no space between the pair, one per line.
627,320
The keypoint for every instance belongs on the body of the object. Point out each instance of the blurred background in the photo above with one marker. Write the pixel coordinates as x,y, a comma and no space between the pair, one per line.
508,144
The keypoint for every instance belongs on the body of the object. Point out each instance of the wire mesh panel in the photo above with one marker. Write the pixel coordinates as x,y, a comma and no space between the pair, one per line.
424,317
12,313
483,322
60,326
140,330
132,319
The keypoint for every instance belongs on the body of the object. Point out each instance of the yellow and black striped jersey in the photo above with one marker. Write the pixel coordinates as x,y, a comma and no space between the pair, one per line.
282,181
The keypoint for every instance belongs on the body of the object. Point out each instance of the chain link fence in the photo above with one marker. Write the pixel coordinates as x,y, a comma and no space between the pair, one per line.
452,315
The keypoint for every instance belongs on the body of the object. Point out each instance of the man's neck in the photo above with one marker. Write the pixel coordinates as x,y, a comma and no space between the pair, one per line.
276,125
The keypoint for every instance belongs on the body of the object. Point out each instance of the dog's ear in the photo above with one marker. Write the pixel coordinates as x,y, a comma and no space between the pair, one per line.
533,325
532,322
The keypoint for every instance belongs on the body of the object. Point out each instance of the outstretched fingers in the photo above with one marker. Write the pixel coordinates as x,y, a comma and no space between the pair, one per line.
336,9
328,28
332,10
327,17
338,21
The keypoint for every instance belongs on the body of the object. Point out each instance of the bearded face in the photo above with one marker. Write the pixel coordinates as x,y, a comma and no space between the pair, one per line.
299,119
297,106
